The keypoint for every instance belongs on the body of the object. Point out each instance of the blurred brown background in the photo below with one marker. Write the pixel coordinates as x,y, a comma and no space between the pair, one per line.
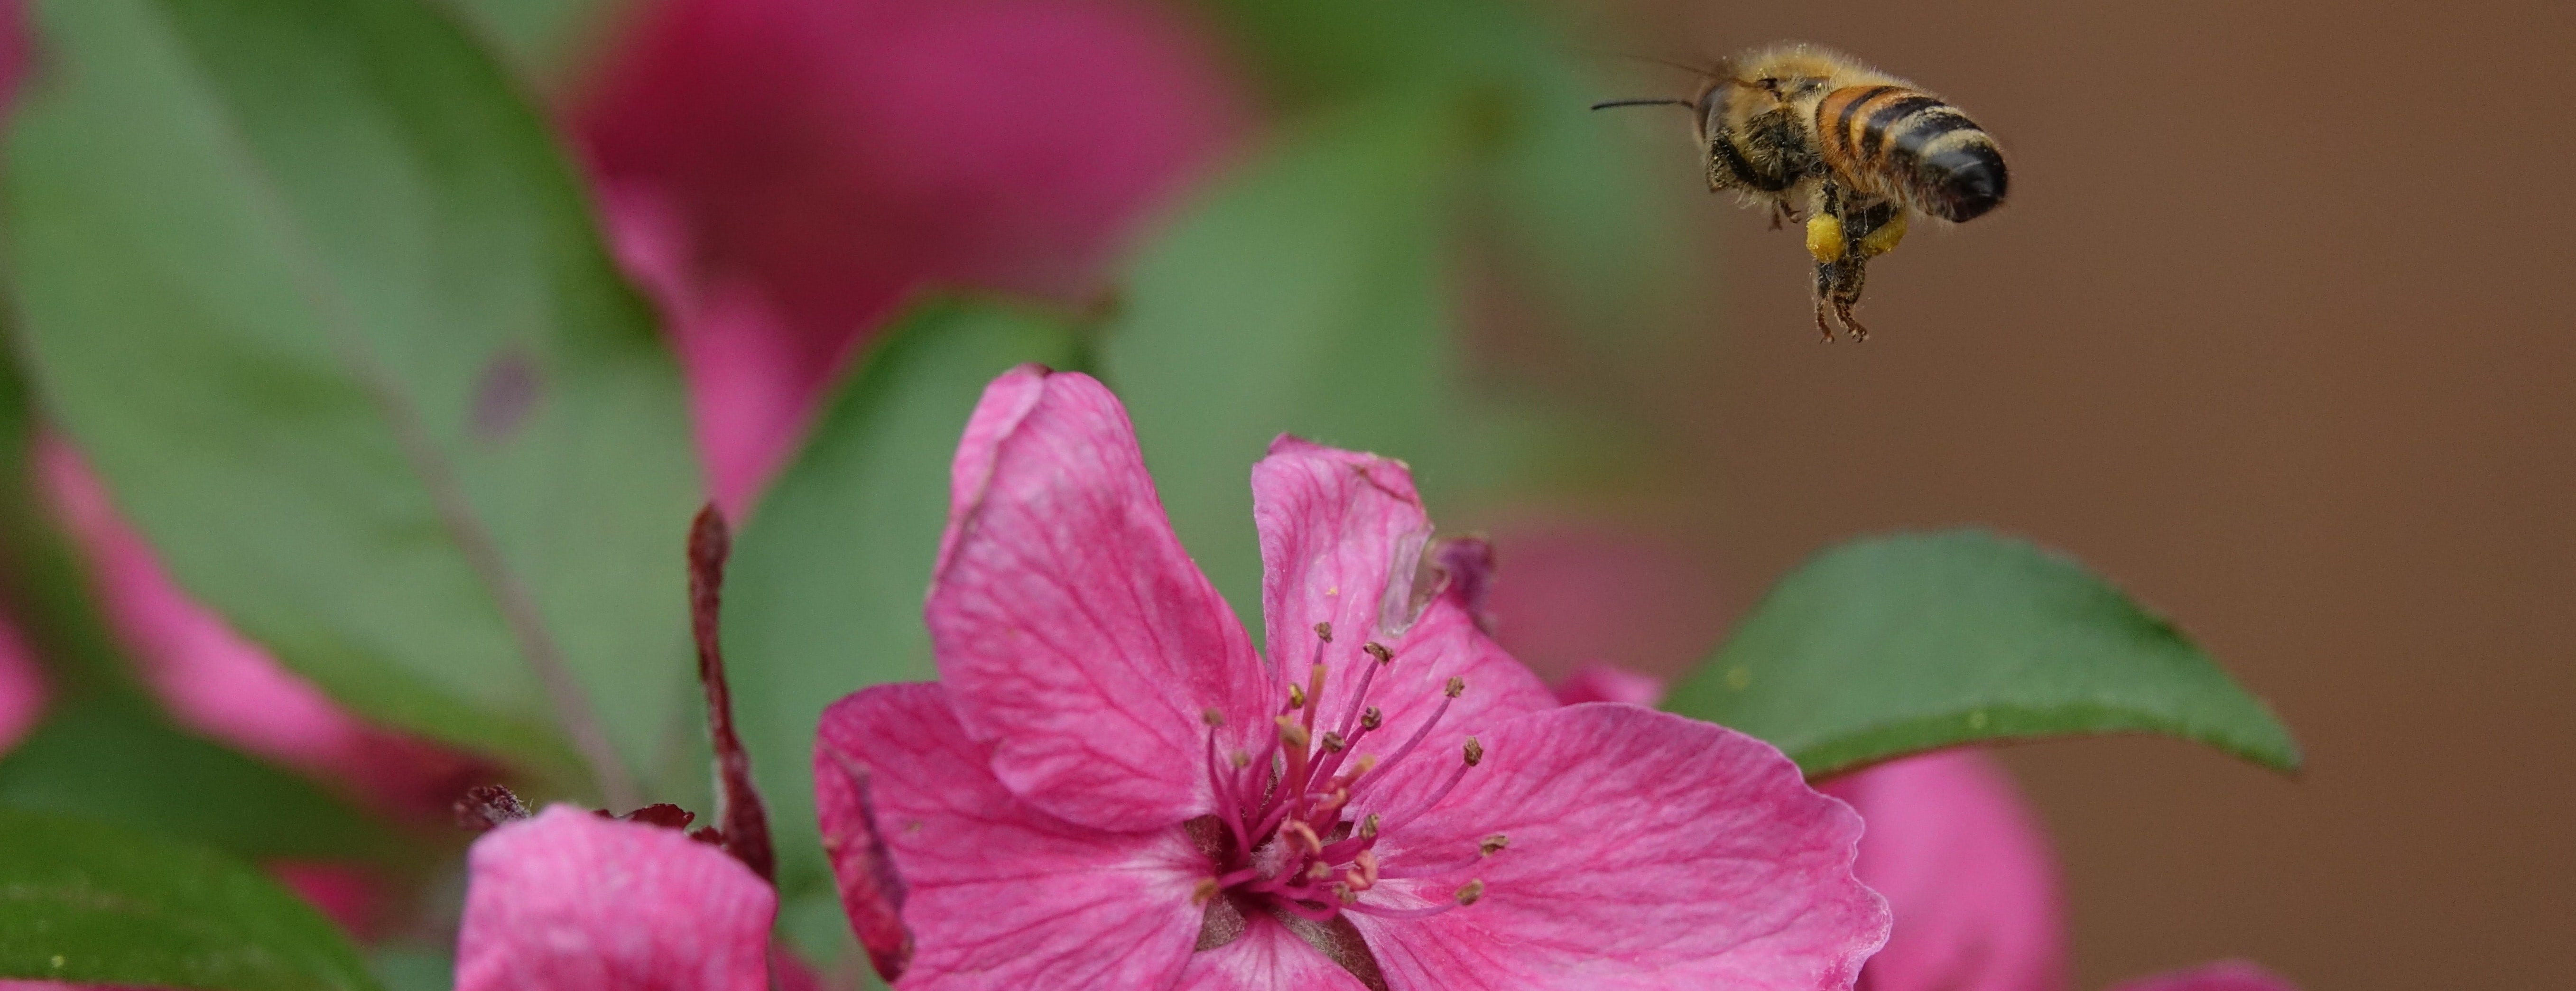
2274,332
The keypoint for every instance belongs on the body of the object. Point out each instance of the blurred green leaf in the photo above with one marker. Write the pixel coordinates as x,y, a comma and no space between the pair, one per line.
412,969
1891,645
86,902
1304,296
824,592
108,759
314,290
547,39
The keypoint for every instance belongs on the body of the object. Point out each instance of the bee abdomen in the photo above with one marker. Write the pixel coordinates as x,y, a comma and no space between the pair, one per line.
1909,143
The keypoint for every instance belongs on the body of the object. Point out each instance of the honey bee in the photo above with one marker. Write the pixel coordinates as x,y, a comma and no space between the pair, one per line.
1815,136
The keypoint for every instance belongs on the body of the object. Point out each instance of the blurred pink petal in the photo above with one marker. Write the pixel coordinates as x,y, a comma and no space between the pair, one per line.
349,895
1598,682
572,901
22,688
2232,975
801,165
1569,593
1967,869
218,683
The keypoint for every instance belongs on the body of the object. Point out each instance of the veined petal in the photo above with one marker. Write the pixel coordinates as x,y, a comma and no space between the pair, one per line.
570,901
1265,958
1072,632
1342,538
997,893
1968,872
1645,850
2232,975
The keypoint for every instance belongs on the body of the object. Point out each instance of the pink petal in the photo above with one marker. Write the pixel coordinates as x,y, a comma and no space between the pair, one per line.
2232,975
349,895
1071,631
996,893
1646,851
221,684
22,688
1266,957
1966,868
1342,535
570,901
1595,681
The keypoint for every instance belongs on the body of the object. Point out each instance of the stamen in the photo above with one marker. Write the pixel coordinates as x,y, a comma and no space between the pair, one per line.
1239,759
1473,891
1296,698
1494,844
1371,718
1297,830
1292,734
1212,717
1333,743
1324,632
1344,894
1475,752
1379,651
1456,687
1205,891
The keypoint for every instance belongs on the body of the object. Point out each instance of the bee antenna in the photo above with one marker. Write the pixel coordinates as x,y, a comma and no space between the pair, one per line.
1643,102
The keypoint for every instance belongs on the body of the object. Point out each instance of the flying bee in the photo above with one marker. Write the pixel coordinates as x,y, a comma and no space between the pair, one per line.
1815,136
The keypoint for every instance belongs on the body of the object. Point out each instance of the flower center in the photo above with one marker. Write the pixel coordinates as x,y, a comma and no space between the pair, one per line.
1280,838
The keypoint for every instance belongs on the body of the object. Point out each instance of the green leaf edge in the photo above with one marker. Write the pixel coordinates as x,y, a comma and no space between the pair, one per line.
1986,724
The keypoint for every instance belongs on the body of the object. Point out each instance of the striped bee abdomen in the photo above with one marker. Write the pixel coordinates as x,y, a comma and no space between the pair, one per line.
1897,141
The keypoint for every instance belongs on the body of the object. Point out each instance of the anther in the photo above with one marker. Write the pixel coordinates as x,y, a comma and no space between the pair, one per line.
1324,632
1457,686
1318,871
1475,752
1296,697
1371,718
1473,890
1379,651
1333,742
1239,759
1342,893
1494,844
1304,835
1368,826
1212,717
1205,892
1290,733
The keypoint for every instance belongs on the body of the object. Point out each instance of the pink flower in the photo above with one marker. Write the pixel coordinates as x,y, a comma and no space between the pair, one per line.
1967,869
1968,872
794,168
219,683
572,901
22,689
1110,787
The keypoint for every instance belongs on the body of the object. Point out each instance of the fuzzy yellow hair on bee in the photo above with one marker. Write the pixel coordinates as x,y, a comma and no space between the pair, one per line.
1813,135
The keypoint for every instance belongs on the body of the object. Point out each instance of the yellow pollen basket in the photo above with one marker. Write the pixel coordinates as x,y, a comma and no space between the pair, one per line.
1825,239
1883,240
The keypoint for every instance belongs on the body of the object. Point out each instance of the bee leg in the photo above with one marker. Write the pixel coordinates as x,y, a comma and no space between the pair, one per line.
1838,285
1823,291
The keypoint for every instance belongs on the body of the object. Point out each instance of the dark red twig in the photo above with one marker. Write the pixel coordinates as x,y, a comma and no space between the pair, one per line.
745,823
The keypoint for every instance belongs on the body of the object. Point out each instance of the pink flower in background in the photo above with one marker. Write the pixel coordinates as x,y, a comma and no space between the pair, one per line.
218,683
1572,594
573,901
781,173
1110,788
1966,867
1968,872
22,689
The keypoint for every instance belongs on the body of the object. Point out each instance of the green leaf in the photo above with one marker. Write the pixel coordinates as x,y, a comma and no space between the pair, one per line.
312,286
85,902
1891,645
548,39
1304,296
823,595
109,759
